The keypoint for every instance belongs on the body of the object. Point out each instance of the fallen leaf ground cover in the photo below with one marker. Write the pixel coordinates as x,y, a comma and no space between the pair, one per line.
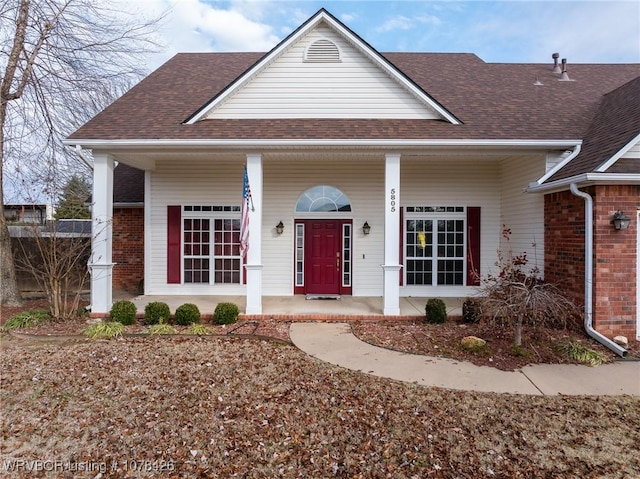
224,407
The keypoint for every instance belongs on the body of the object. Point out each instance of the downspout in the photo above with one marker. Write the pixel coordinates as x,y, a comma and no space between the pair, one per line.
83,157
588,274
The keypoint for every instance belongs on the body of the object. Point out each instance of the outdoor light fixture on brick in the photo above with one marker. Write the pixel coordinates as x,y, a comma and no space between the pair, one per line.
279,228
366,229
620,220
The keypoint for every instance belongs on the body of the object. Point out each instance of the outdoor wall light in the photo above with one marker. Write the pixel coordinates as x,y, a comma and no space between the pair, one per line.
279,228
366,229
620,220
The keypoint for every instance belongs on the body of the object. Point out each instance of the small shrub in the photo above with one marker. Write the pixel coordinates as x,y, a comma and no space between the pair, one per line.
520,352
470,310
123,312
27,319
436,311
161,328
187,314
226,313
157,313
200,330
104,330
582,354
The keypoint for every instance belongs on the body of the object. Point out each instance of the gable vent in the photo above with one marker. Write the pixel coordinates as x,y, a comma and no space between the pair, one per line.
323,51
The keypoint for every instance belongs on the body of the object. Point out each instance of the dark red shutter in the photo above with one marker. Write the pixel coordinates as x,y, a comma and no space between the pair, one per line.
174,232
401,245
473,242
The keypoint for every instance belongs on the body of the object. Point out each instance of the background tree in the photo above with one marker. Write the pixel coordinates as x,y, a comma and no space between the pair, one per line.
61,61
72,204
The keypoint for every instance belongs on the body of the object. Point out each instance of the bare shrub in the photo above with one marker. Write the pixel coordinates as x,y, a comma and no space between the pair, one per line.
58,264
516,297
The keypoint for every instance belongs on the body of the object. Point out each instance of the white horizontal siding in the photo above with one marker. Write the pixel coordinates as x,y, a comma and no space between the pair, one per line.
451,182
554,158
523,213
633,152
353,88
188,183
361,180
495,187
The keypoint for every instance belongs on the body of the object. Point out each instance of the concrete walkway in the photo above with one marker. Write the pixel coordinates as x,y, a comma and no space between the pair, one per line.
336,344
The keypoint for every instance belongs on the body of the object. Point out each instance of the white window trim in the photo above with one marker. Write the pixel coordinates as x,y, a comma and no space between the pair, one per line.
211,216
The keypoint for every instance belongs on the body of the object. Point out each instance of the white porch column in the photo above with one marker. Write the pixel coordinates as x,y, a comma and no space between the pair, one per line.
254,253
101,265
391,265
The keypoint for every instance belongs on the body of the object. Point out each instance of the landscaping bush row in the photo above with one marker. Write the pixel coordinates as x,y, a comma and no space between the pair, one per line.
436,311
159,313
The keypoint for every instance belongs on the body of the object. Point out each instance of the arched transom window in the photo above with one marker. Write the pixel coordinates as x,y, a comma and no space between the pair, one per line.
323,199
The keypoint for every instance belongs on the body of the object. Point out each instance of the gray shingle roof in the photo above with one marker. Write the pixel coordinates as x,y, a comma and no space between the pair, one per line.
128,184
494,102
615,124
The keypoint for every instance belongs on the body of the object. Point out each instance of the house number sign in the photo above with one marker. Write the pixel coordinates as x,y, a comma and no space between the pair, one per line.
392,200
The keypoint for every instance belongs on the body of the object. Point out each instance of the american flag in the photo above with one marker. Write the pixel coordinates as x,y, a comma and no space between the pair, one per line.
244,217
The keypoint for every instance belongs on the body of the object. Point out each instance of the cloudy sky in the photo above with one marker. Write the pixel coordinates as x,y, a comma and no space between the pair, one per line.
497,31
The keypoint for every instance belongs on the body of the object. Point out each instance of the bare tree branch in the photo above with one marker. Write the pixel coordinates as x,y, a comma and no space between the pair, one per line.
62,61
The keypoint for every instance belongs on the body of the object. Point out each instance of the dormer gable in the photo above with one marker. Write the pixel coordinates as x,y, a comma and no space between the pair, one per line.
323,70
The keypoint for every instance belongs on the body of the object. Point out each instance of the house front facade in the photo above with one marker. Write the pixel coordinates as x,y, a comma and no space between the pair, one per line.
385,175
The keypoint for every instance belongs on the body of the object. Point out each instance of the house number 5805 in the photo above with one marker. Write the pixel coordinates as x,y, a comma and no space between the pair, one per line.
393,200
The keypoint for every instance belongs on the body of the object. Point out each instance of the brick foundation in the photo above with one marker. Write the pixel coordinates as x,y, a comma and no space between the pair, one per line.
128,248
614,279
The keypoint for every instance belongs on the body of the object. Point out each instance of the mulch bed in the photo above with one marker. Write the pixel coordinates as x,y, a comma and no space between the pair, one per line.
440,340
539,345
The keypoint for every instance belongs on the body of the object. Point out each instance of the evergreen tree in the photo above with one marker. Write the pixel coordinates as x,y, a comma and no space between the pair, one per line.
73,200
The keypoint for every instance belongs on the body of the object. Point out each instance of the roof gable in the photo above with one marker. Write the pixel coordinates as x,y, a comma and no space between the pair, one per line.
613,135
323,70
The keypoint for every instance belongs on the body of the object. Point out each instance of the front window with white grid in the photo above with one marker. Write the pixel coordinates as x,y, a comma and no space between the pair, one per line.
435,246
211,245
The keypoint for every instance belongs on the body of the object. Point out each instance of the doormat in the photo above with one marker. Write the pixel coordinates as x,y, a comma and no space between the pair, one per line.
326,296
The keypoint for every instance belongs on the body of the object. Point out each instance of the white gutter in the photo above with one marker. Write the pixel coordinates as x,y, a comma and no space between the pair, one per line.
249,143
588,274
610,178
83,157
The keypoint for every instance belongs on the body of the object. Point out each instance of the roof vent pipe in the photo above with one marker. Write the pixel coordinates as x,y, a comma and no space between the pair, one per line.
556,67
564,76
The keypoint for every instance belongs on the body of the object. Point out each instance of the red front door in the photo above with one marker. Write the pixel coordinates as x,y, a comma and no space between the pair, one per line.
322,256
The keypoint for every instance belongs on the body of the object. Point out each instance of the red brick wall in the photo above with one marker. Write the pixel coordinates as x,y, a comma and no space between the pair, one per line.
564,243
614,283
614,280
128,248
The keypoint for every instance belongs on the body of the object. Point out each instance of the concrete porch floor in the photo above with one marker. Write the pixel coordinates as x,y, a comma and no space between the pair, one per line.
298,307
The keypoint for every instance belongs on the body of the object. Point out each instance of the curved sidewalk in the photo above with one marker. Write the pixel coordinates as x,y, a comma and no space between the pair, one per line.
336,344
